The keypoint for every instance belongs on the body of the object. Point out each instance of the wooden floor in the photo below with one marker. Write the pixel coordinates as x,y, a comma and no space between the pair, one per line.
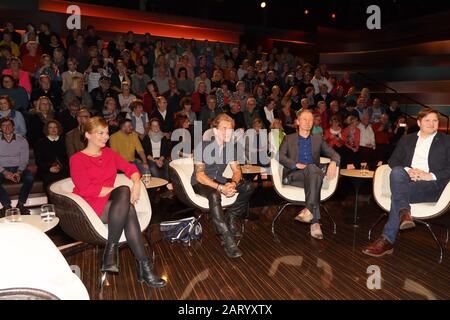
294,266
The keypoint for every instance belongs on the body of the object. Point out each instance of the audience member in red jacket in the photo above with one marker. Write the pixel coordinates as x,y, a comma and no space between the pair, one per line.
199,98
345,82
383,135
333,134
351,136
322,111
93,171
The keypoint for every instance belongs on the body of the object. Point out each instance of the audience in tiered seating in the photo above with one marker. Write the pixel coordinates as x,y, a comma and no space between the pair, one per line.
141,79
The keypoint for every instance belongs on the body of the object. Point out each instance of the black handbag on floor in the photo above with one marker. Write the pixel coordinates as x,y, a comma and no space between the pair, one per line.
183,230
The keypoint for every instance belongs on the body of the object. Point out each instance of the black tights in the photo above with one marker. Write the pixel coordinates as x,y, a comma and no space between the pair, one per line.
120,215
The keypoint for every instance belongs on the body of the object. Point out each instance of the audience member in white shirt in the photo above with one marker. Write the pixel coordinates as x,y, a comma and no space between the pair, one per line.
317,80
367,143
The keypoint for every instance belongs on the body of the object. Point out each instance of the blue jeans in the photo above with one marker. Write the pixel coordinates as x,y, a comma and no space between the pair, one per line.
27,180
158,172
139,166
404,192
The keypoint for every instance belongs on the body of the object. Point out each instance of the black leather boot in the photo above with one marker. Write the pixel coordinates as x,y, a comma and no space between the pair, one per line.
110,261
145,274
232,225
231,249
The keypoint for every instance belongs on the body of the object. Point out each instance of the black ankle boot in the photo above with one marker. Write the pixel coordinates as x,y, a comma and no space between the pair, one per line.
145,274
110,261
23,209
3,210
231,249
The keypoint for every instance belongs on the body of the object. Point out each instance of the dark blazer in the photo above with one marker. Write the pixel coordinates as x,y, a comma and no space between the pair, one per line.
165,147
48,153
68,122
35,130
263,117
289,152
318,97
165,124
206,115
239,120
438,158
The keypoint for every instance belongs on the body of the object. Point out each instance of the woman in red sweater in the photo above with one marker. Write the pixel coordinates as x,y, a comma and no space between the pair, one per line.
93,171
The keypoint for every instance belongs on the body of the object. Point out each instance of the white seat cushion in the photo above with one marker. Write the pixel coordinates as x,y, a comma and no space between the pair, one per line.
425,210
185,168
297,194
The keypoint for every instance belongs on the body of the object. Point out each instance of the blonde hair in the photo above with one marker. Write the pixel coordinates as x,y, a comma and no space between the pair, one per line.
77,83
365,92
38,104
222,117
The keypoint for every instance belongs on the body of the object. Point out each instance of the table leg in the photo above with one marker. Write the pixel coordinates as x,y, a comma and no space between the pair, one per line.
357,186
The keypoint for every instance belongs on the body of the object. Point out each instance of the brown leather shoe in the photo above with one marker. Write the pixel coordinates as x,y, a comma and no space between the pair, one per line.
379,248
406,221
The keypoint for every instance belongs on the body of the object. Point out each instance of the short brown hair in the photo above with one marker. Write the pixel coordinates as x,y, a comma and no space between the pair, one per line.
257,121
180,119
426,111
8,98
135,103
301,111
185,101
154,119
94,122
7,119
50,122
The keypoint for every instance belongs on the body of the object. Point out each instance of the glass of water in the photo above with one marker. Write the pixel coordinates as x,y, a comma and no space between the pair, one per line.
47,212
146,178
364,171
12,215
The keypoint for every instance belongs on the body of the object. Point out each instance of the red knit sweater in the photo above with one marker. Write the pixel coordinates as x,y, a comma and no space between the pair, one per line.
91,174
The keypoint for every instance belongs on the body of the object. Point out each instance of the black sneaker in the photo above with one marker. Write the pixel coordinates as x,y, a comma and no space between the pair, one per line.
3,211
22,209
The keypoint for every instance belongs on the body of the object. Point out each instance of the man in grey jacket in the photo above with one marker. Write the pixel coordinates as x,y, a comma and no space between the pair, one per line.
300,155
14,157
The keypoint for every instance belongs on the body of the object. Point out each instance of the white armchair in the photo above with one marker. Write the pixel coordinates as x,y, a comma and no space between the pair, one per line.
180,174
296,195
419,211
33,268
79,220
